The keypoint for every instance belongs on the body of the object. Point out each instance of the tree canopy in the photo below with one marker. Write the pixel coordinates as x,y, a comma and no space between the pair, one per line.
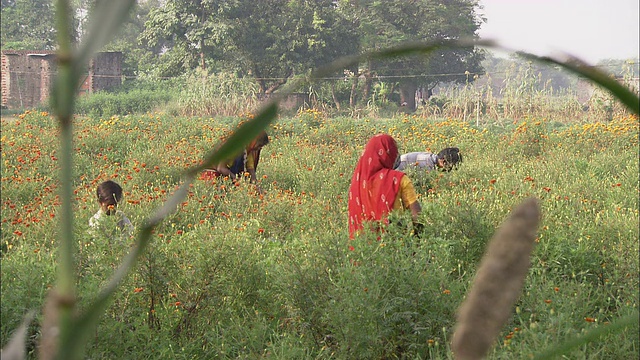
274,40
387,23
27,25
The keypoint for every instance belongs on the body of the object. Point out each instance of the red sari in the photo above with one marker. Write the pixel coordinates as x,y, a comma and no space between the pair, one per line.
374,185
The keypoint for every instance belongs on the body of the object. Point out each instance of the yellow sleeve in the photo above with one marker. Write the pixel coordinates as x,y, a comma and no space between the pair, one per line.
406,196
250,162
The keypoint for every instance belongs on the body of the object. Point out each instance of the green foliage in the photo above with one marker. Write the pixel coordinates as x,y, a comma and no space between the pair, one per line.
235,274
268,42
519,88
221,94
387,24
28,25
104,104
136,56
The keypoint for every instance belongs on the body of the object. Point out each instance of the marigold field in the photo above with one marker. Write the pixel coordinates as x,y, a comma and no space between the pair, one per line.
237,274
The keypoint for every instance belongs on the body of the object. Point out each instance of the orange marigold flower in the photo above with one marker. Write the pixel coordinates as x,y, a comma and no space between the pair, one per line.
492,181
138,289
447,292
548,301
589,319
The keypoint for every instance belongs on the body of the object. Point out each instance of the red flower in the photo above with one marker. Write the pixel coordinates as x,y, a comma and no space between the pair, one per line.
261,231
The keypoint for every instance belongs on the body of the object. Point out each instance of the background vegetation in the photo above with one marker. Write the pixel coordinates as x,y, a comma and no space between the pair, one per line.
208,42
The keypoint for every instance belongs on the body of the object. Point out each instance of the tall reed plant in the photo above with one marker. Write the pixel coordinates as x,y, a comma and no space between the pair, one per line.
220,94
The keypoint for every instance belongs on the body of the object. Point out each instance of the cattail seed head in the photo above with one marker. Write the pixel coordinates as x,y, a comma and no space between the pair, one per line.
497,284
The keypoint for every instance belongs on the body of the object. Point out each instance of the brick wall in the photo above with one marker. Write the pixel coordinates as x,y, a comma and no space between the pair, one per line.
105,71
27,76
6,79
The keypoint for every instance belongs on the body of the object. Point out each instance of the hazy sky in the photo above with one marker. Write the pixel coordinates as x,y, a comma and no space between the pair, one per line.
589,29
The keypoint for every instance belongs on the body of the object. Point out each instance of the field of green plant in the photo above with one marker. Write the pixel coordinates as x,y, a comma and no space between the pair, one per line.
237,274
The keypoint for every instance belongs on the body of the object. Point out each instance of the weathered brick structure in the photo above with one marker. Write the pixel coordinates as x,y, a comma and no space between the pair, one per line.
27,76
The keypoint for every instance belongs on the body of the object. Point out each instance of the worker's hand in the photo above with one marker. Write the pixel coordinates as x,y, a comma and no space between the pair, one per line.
418,228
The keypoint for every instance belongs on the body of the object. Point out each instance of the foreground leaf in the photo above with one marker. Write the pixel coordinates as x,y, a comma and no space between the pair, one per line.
16,349
497,284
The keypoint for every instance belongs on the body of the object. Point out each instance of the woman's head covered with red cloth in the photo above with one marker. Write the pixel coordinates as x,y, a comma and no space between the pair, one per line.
374,185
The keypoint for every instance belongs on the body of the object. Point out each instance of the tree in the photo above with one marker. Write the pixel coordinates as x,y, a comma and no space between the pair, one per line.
270,40
27,25
181,32
137,56
387,23
278,39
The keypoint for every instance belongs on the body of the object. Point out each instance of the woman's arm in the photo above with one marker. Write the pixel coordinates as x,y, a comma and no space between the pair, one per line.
415,210
224,170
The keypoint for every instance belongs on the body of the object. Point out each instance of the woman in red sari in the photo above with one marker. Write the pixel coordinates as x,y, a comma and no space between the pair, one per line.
376,189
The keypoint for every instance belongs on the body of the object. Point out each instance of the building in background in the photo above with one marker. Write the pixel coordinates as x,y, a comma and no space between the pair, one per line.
27,76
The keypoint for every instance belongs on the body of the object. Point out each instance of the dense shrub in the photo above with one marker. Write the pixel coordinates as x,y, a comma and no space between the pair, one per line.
104,104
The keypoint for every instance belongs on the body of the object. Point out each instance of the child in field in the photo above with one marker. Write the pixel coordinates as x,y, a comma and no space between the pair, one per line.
446,160
109,221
